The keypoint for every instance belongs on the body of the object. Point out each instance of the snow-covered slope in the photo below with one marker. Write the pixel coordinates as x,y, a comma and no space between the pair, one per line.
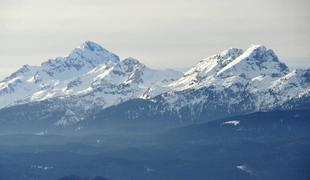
232,66
90,73
236,81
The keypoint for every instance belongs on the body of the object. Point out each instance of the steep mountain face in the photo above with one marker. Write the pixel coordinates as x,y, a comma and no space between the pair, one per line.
90,76
235,75
233,66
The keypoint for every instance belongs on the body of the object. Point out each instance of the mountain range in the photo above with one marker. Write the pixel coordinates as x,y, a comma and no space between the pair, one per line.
240,114
91,85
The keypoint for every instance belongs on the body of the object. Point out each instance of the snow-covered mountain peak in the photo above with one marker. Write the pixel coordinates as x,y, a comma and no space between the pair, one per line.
231,66
89,71
206,69
21,71
91,46
260,54
88,55
214,63
255,61
92,51
131,63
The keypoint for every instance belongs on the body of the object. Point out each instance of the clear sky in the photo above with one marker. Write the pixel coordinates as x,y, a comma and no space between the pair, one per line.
160,33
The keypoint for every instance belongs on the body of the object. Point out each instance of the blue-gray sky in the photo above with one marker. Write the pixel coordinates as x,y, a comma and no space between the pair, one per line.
160,33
